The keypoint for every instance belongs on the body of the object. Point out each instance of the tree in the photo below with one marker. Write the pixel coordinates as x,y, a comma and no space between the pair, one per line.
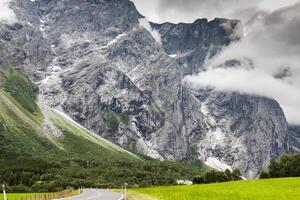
228,174
274,169
198,180
236,175
264,175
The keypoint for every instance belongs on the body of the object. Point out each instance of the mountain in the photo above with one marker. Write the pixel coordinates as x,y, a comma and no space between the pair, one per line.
191,44
294,138
25,130
102,64
44,150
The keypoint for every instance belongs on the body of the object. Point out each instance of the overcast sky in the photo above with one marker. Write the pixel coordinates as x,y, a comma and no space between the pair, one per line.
189,10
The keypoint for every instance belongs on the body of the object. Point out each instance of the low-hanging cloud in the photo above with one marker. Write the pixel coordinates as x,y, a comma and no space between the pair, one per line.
155,34
189,10
7,15
272,45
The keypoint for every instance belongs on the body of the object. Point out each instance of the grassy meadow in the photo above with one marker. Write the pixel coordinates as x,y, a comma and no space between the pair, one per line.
267,189
40,196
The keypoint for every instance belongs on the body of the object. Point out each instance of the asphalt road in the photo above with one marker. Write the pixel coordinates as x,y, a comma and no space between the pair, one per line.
96,194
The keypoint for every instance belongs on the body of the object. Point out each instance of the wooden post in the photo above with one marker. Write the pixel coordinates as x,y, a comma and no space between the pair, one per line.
125,191
4,192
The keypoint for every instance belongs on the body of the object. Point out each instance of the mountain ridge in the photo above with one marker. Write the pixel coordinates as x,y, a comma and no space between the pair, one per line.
97,63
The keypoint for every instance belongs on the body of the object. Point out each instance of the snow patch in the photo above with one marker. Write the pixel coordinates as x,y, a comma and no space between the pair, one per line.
217,164
116,39
155,34
173,55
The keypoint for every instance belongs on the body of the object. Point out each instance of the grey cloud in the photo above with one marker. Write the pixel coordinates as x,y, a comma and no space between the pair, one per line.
272,43
6,14
187,10
284,25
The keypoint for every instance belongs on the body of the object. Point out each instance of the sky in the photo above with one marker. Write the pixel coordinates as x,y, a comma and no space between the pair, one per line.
269,47
189,10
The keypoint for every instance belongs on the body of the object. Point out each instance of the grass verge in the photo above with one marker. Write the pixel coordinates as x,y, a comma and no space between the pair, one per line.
41,196
268,189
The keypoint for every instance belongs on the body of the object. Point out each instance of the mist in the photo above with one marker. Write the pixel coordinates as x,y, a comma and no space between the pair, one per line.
7,15
269,61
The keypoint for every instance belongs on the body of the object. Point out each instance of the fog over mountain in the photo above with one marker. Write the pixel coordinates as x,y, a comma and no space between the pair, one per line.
6,14
272,44
189,10
269,39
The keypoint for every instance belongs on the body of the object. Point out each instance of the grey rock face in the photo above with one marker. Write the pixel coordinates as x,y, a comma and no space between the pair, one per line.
108,73
191,44
294,139
240,126
19,50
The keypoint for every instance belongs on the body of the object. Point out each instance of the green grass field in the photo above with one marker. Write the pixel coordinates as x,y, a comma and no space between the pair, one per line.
42,196
269,189
19,196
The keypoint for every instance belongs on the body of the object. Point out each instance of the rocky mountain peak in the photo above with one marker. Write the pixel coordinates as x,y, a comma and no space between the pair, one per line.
96,61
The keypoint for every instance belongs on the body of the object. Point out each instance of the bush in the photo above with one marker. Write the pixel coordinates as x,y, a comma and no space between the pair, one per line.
218,176
264,175
198,180
19,189
287,166
236,175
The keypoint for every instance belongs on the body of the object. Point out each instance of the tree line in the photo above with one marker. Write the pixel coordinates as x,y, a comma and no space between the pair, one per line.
42,176
287,166
214,176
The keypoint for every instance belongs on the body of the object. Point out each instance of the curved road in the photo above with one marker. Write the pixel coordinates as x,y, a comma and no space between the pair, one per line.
96,194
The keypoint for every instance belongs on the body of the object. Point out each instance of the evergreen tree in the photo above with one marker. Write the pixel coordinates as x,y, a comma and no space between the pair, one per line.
236,175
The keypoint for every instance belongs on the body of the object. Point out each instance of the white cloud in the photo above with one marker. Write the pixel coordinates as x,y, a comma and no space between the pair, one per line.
188,10
6,14
272,43
155,34
254,82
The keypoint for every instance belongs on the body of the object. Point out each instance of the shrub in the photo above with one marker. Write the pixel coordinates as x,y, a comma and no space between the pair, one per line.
287,166
264,175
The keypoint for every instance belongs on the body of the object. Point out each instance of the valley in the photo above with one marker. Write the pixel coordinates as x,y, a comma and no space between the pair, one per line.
94,95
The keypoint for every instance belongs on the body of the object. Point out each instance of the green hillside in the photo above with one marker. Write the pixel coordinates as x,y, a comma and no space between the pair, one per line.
279,189
22,132
42,149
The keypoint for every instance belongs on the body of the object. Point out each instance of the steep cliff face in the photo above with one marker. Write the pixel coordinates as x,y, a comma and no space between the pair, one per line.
191,44
294,139
233,126
104,68
245,132
18,49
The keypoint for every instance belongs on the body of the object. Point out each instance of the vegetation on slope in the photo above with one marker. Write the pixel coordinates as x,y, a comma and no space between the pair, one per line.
31,160
19,130
21,89
279,189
